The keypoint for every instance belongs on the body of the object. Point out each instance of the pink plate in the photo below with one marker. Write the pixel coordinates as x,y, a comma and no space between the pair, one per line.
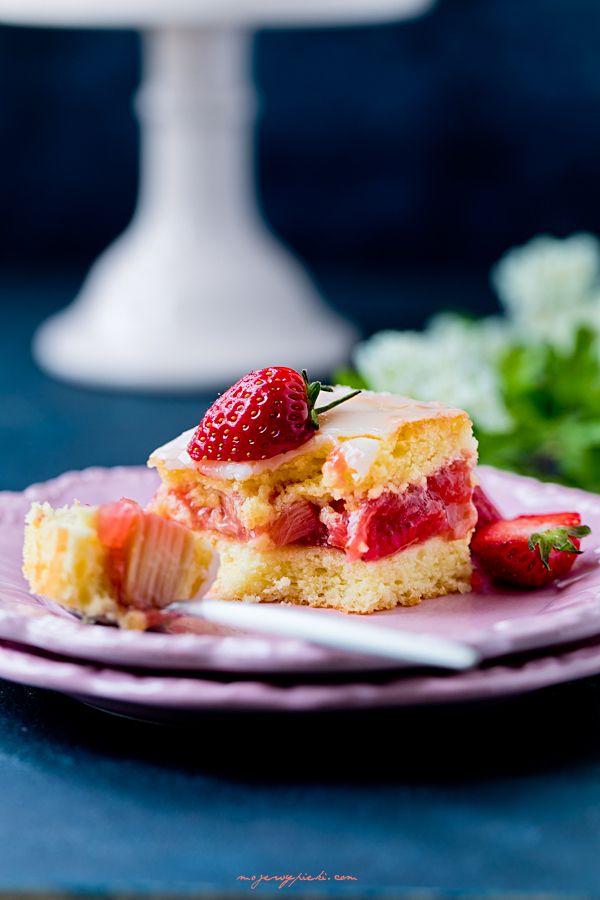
167,698
498,623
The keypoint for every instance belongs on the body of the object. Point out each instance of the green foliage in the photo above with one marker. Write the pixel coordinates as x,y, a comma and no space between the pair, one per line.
350,378
553,397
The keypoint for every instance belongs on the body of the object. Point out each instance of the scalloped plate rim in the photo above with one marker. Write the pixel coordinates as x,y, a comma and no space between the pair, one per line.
159,697
33,623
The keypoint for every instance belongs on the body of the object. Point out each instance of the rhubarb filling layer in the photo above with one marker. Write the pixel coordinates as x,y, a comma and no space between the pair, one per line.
149,559
363,528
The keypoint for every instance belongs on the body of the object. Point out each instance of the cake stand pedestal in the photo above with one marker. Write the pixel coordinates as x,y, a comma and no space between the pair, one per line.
196,291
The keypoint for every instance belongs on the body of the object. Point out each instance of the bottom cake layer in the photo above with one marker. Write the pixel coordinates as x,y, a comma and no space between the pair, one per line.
319,576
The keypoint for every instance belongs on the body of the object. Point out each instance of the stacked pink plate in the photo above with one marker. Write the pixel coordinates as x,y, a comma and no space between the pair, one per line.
526,639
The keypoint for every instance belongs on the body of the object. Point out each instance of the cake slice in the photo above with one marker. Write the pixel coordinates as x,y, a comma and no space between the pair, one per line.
113,563
359,505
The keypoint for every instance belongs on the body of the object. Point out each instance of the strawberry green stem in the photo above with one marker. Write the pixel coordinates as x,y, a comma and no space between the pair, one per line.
335,403
313,389
557,539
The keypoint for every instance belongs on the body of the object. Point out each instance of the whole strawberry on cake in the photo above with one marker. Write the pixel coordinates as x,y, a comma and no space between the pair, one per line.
324,496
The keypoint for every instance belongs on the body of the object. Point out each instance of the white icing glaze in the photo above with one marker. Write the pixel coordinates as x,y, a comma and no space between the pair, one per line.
354,428
174,454
375,415
354,457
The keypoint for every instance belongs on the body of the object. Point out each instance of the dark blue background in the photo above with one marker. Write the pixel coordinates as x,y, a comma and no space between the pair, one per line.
499,801
436,143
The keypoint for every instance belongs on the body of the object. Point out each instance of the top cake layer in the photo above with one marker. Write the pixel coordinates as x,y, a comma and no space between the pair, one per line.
372,440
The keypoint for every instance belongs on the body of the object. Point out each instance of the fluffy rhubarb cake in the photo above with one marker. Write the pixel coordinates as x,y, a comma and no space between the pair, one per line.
114,563
361,504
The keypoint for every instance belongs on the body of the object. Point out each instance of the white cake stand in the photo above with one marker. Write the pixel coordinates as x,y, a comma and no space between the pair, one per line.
196,291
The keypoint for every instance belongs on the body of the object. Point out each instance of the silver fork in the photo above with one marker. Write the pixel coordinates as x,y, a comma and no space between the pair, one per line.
347,634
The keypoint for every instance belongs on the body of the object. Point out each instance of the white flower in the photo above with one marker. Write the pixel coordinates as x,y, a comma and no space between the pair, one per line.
547,287
487,337
452,361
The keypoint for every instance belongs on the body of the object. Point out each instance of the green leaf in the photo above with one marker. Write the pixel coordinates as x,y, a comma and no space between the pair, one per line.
553,398
350,378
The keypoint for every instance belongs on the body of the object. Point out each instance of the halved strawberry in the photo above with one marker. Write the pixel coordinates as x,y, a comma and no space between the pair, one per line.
481,582
267,412
486,510
529,551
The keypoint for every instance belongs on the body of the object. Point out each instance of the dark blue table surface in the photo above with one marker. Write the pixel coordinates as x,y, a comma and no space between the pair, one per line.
465,801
